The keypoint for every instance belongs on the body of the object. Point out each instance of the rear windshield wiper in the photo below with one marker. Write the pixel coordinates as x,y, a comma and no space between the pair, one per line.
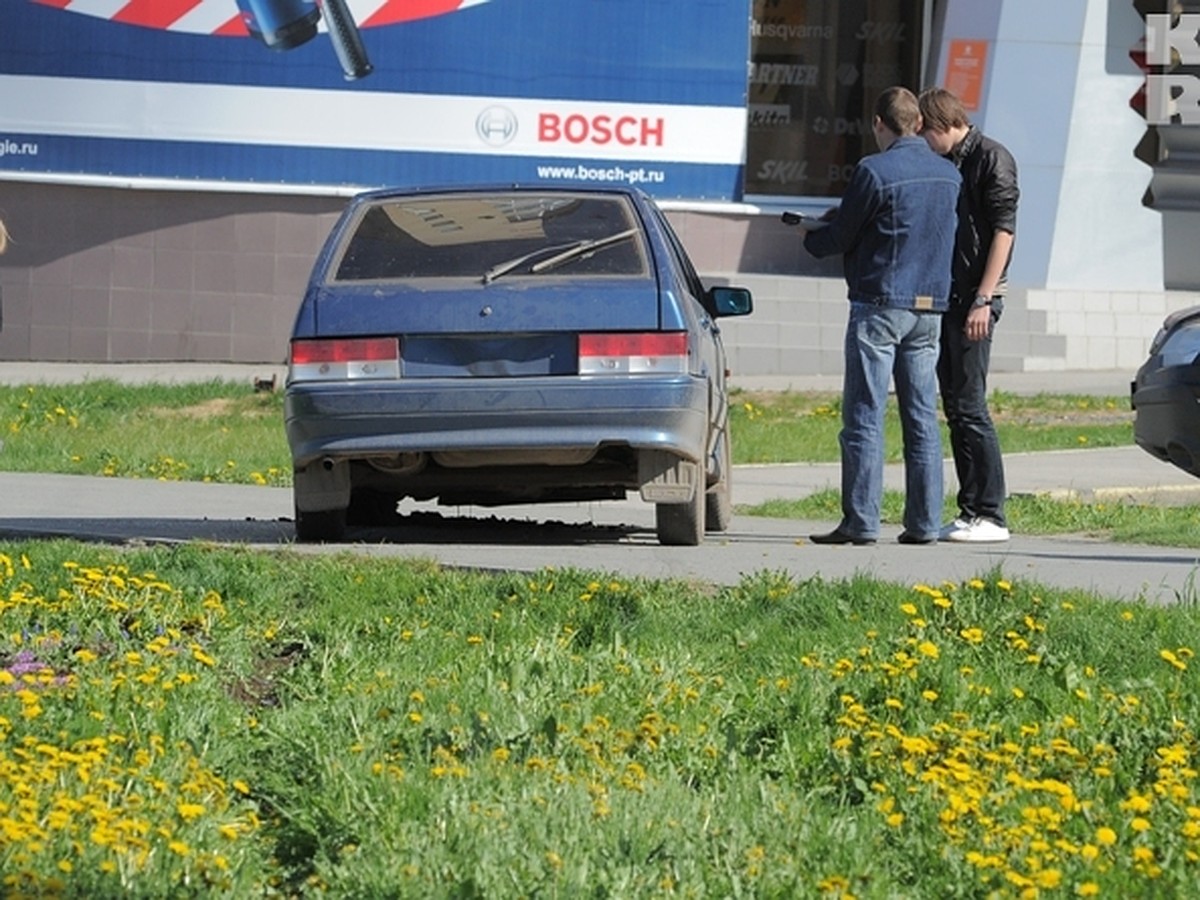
562,253
582,250
503,268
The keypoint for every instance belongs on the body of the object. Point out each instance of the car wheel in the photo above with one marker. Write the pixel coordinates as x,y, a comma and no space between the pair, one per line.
718,501
326,525
682,524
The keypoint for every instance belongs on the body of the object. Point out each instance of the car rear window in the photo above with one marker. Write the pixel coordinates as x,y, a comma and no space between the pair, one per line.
494,236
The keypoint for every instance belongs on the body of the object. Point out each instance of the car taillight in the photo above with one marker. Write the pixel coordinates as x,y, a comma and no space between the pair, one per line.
344,359
651,353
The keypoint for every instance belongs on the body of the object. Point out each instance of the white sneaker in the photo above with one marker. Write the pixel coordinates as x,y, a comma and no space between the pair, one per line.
979,531
959,524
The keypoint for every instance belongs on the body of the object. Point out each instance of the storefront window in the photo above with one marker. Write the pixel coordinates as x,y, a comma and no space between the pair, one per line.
816,67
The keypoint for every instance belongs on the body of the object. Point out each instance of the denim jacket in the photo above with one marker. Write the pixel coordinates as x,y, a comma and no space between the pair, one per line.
895,228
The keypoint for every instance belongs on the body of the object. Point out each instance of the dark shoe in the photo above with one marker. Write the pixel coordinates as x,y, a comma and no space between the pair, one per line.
837,536
907,538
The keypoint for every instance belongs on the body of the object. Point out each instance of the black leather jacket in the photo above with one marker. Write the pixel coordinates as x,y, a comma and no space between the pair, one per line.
987,202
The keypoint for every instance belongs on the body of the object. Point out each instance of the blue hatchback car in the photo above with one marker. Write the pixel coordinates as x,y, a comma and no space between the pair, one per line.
508,345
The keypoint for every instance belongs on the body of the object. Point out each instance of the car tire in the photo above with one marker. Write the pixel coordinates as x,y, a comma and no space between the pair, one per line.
718,500
322,526
682,524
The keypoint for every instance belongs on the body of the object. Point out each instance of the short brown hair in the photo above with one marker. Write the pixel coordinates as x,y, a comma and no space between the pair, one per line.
898,109
942,110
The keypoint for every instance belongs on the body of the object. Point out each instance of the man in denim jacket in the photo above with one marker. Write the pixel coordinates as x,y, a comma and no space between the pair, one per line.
895,229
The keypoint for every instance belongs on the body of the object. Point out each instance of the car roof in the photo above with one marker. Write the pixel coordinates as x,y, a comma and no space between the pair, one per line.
383,193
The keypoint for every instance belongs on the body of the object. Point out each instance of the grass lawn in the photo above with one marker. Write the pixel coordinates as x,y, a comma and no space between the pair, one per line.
207,722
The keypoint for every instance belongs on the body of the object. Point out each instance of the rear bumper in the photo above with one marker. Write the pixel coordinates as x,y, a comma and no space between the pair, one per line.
339,421
1166,403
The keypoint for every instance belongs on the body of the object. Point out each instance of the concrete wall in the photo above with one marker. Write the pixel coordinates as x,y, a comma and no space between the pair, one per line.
117,275
100,274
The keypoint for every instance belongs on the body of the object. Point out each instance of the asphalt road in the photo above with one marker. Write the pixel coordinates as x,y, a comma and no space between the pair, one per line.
609,537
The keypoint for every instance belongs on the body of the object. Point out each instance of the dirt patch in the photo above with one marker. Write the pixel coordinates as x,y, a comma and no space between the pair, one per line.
218,407
1064,417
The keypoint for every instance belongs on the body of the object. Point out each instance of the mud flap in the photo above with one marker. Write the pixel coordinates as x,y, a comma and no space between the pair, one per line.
665,477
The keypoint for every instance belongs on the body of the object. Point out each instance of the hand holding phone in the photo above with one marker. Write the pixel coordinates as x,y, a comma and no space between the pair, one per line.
808,223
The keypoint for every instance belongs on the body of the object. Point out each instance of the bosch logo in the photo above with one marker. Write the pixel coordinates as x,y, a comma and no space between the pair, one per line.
496,126
629,131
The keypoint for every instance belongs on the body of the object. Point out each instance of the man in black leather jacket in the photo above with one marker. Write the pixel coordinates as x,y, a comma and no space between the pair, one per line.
987,224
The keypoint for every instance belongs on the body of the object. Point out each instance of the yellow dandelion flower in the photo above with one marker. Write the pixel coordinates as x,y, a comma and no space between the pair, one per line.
1105,836
1169,657
1049,878
201,657
189,811
1138,803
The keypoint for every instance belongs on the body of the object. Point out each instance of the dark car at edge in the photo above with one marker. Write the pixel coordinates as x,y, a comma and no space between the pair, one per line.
1165,393
508,345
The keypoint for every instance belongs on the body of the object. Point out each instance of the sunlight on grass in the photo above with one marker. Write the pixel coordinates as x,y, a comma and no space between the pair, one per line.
214,431
194,721
787,426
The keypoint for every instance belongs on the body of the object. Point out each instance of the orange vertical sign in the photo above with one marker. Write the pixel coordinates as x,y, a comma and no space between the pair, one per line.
965,66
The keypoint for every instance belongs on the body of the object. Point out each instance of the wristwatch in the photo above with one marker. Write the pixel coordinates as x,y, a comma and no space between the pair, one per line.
981,300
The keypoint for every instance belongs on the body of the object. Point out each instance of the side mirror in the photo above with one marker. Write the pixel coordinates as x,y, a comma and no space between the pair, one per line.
730,301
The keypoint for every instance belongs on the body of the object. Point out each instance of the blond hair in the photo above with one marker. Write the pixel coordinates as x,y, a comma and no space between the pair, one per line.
897,107
3,237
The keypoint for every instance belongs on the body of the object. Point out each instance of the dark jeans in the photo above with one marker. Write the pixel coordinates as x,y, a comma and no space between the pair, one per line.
962,376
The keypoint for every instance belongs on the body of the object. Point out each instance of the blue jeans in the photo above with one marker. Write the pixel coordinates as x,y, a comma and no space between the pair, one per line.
962,373
882,343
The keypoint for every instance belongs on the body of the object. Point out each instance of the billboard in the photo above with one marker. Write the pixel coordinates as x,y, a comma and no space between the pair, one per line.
345,94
